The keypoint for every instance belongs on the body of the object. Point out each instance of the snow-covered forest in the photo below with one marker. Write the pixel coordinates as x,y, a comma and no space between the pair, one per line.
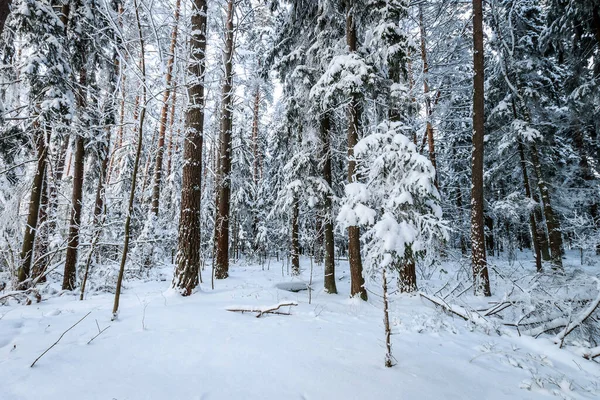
404,193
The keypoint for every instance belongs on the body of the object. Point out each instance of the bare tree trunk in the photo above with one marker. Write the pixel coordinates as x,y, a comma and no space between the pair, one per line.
172,136
70,270
552,221
187,262
255,164
295,239
224,178
255,120
428,110
386,322
24,270
148,154
136,163
459,205
4,11
357,281
104,158
318,243
42,239
532,221
329,274
408,276
481,282
160,151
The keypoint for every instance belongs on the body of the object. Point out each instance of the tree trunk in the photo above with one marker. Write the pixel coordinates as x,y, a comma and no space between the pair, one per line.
329,274
481,282
428,110
187,263
136,163
172,136
224,171
162,127
407,280
70,271
255,164
357,281
318,244
255,120
532,222
59,171
42,240
295,239
459,206
386,322
552,221
4,11
24,270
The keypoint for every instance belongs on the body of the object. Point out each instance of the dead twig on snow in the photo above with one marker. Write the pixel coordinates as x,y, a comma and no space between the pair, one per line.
261,311
61,336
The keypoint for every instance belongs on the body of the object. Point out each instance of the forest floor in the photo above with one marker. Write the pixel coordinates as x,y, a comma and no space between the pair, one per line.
164,346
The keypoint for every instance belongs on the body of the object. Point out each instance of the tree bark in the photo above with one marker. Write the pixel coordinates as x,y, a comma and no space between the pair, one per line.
329,274
162,127
357,281
295,239
552,221
255,120
172,137
187,264
407,280
24,270
42,242
459,206
70,270
428,110
255,164
224,171
481,282
532,222
4,11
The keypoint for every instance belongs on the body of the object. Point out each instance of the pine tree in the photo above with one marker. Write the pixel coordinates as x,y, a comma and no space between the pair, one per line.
224,163
481,281
188,246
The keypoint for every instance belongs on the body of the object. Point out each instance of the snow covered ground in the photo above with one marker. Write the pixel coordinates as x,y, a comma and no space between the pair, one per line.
164,346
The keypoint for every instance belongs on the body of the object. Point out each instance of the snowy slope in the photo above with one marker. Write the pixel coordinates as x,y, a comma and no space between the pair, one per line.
164,346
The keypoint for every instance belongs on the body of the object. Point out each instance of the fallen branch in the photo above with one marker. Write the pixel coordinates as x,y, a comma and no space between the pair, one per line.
61,336
592,353
583,316
497,308
445,306
265,310
20,295
100,331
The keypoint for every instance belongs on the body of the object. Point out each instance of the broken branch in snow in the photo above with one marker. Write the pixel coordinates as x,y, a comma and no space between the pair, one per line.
100,331
265,310
581,318
497,308
445,306
61,336
23,295
592,353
